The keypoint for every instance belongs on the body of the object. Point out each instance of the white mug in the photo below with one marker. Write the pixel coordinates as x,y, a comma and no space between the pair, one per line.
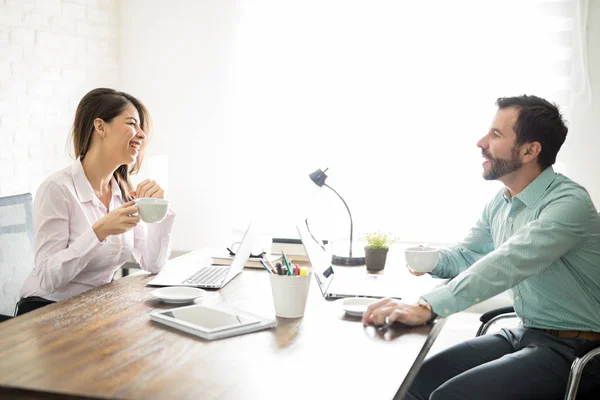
422,259
152,210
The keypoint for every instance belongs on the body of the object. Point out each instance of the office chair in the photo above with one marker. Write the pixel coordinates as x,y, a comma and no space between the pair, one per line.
16,250
582,356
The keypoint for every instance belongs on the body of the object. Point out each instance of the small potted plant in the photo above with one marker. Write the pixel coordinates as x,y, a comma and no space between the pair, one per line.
376,250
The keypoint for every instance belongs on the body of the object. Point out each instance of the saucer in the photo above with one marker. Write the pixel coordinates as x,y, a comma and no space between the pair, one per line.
177,294
356,306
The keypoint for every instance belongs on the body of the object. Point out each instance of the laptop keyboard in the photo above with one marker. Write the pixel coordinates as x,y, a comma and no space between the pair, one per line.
207,276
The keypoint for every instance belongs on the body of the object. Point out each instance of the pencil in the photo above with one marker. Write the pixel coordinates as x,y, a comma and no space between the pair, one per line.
268,262
265,266
286,262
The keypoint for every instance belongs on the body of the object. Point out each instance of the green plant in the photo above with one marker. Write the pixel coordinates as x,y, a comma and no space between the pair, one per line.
379,240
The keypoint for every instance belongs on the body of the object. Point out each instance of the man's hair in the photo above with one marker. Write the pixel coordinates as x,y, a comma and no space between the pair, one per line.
538,121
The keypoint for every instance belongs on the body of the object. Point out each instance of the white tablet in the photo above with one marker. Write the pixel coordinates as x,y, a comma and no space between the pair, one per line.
211,322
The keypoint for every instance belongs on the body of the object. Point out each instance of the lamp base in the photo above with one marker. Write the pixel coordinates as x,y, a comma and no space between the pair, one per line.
347,261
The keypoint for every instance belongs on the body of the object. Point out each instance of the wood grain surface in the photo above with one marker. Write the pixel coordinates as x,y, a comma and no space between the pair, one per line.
102,344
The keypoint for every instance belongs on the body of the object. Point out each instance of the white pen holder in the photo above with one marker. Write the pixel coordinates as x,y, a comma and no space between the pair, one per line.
290,294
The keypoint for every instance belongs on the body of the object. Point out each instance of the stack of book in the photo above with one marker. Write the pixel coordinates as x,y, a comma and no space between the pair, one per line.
292,248
253,262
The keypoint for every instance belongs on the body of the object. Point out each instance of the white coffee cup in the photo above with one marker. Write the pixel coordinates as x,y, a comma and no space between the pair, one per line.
422,258
152,210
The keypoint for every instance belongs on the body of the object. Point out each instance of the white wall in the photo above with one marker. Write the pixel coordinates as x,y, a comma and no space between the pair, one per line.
51,53
173,57
580,151
179,68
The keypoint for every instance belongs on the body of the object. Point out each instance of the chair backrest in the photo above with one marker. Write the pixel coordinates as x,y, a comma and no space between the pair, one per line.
16,248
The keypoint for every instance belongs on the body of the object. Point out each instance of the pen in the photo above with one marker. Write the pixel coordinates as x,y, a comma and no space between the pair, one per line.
287,264
279,269
386,325
265,266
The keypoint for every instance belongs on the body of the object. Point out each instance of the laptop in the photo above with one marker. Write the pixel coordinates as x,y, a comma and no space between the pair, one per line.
339,285
206,276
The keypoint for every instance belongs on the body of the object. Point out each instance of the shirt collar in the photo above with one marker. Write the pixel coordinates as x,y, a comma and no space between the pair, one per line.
83,187
535,190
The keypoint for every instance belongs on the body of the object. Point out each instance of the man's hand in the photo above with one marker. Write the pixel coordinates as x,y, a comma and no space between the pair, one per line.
415,273
396,311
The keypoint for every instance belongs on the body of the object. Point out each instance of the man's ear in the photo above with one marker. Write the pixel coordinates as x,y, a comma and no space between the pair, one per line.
530,151
100,127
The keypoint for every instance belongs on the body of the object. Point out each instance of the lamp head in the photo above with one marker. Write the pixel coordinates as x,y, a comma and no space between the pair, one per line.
319,177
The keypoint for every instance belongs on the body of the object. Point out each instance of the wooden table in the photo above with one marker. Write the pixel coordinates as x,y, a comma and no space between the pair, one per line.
102,344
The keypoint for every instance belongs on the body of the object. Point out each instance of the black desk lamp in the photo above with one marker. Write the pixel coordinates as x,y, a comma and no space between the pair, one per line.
319,177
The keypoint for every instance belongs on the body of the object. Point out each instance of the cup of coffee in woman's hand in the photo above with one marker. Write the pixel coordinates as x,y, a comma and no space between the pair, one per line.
152,210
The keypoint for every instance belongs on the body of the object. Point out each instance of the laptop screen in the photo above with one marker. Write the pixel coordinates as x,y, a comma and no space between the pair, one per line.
243,253
318,256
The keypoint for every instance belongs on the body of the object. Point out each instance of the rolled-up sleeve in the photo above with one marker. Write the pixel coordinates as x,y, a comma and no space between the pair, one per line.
152,243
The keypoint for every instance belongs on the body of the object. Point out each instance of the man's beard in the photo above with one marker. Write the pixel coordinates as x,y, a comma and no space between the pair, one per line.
501,166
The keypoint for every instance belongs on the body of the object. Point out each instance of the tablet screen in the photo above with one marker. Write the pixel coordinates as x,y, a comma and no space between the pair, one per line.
210,319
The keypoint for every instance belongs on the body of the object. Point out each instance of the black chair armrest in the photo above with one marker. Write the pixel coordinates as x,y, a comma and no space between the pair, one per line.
586,348
495,312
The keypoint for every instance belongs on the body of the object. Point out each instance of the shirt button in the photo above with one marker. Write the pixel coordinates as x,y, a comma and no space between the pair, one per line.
446,311
510,219
517,298
477,299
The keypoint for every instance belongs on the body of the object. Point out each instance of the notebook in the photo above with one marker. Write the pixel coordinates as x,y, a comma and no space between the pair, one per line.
337,285
207,276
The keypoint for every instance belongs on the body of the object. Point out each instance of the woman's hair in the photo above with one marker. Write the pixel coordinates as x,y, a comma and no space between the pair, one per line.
106,104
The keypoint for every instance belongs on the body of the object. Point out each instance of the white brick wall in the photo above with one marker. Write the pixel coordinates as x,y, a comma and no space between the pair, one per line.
51,53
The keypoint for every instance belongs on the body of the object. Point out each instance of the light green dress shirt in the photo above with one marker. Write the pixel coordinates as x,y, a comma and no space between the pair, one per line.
543,244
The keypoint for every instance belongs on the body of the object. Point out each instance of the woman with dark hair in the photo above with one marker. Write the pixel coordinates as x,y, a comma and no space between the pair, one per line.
85,219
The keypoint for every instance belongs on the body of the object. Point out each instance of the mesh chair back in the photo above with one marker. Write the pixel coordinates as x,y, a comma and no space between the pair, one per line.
16,248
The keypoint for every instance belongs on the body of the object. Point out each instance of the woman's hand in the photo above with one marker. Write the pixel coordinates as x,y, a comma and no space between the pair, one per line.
116,222
396,311
148,188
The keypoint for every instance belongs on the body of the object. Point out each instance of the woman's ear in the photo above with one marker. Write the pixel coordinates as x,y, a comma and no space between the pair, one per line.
100,127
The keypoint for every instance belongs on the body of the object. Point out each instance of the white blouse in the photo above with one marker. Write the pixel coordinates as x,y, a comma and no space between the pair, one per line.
69,258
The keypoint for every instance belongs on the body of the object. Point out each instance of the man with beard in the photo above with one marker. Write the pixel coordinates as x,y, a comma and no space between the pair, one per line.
538,237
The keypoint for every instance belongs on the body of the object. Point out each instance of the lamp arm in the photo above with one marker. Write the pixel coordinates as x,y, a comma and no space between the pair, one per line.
347,208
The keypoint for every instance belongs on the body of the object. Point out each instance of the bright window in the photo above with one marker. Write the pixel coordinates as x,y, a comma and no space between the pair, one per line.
392,96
